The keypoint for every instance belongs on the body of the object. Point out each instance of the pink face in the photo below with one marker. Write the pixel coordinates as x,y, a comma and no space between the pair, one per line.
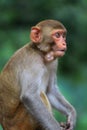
59,42
59,38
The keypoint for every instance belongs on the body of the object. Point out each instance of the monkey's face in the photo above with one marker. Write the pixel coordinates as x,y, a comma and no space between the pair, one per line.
50,40
58,46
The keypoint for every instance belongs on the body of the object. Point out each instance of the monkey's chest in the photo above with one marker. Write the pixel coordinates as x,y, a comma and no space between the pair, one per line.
42,81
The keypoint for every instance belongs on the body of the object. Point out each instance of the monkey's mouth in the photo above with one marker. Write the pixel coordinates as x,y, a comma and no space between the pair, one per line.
59,53
62,51
59,50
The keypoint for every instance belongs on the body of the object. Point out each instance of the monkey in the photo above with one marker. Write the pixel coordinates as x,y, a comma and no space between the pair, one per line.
28,82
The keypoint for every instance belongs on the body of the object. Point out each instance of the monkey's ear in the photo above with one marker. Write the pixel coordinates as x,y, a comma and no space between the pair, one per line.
35,34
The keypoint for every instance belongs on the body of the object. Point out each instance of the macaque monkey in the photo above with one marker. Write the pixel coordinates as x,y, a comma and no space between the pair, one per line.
28,88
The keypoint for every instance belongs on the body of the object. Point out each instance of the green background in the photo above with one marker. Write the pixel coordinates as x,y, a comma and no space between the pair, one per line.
16,18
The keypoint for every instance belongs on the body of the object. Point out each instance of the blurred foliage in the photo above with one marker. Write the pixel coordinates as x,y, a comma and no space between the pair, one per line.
16,18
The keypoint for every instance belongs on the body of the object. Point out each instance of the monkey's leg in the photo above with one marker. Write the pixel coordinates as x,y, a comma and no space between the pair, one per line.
21,120
46,101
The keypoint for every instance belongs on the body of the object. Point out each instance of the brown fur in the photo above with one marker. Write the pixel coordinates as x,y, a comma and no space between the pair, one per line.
13,114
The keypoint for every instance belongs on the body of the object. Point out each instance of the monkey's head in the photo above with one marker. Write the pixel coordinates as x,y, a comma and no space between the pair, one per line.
50,38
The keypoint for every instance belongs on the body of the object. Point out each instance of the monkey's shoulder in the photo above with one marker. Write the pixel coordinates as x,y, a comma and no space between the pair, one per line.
27,58
25,55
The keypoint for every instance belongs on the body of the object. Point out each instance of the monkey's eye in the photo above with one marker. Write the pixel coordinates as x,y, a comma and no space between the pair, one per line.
64,35
57,35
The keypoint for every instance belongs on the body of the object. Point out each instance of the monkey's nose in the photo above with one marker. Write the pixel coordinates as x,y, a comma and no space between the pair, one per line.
64,43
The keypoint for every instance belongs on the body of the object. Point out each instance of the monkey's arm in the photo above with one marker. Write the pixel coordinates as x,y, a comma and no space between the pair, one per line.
58,101
30,97
39,111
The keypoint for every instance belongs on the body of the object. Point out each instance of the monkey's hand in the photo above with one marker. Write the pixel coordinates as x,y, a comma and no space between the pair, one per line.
71,121
64,126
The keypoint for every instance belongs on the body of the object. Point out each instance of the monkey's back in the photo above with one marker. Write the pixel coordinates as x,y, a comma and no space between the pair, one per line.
13,114
10,85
